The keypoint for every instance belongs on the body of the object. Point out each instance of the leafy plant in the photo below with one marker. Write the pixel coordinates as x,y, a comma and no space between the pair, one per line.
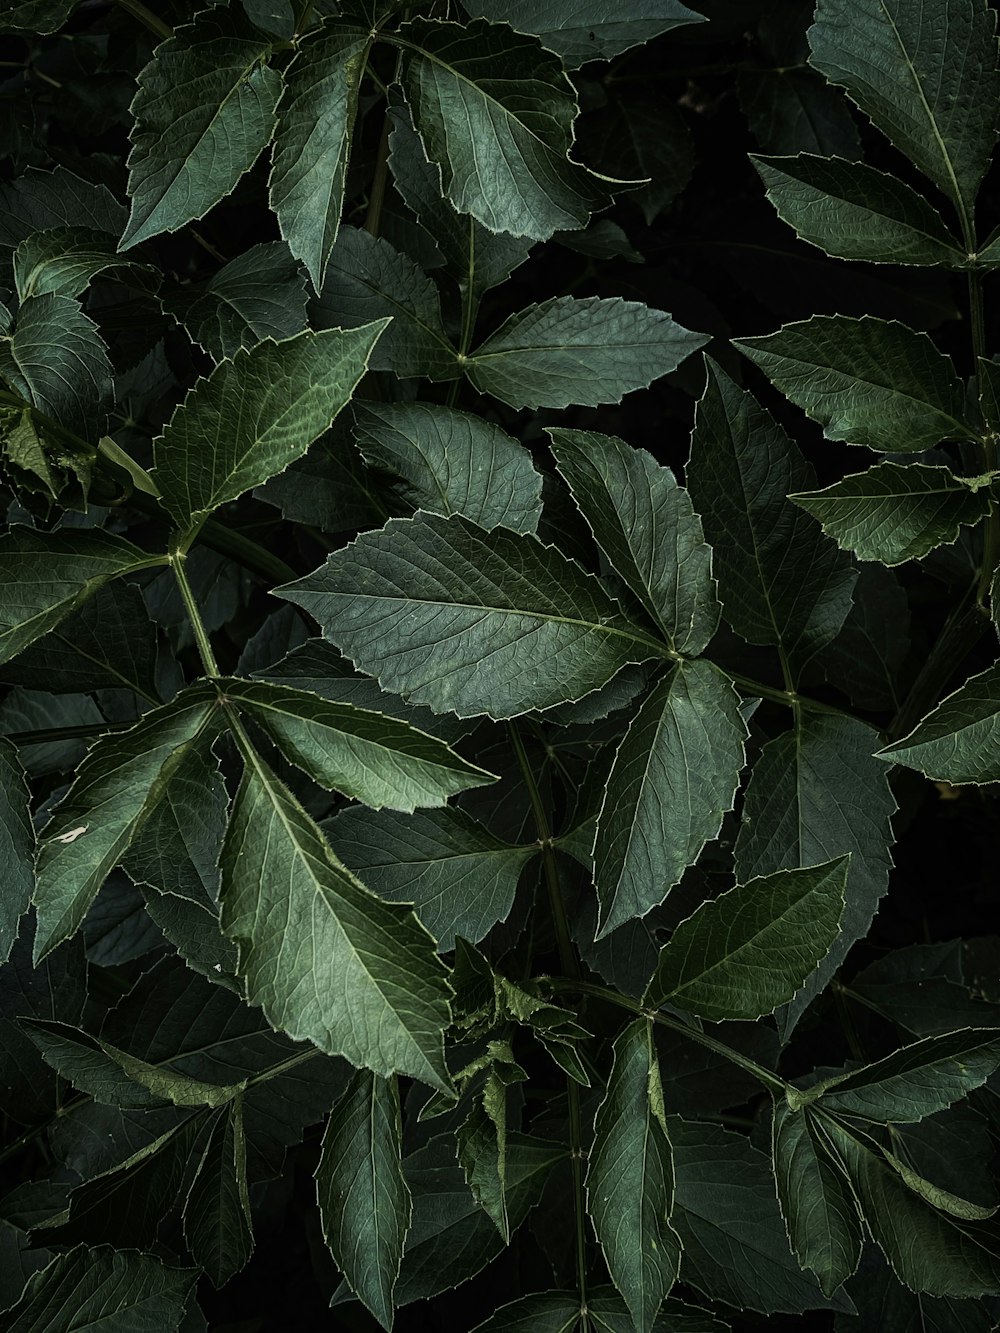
457,715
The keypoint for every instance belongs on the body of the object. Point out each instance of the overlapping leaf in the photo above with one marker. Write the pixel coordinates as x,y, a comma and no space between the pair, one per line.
217,1225
422,603
582,32
959,741
17,848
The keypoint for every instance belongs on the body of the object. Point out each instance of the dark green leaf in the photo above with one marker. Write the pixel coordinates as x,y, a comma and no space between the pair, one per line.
895,512
559,1312
35,16
202,115
914,1082
495,113
852,211
644,523
816,793
421,603
781,581
254,415
459,877
63,260
585,351
867,381
313,141
361,754
630,1179
742,954
56,360
117,1292
117,786
41,200
582,32
325,959
820,1213
17,848
792,110
217,1225
452,463
674,776
959,741
259,294
920,75
367,280
364,1199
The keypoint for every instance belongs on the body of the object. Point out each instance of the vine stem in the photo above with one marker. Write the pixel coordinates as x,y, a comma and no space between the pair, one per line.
773,1082
205,650
570,964
139,11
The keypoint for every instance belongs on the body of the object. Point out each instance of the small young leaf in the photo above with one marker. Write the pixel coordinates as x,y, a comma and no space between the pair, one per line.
217,1224
645,524
866,381
312,143
920,76
449,462
852,211
361,754
495,113
959,742
820,1213
742,954
895,512
363,1196
203,114
254,415
781,581
423,601
630,1179
325,959
675,775
587,351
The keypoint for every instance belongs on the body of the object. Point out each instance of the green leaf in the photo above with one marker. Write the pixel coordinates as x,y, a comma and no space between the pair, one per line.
108,642
459,877
853,211
559,1312
254,415
421,603
35,16
913,1082
645,524
63,260
742,954
820,1213
481,1140
866,381
675,775
40,200
203,114
816,793
259,294
362,754
367,280
781,581
495,111
117,786
725,1211
476,258
56,360
115,1077
921,76
312,144
217,1225
582,32
630,1179
364,1199
792,110
895,512
450,462
581,351
929,1251
17,848
326,960
959,741
117,1291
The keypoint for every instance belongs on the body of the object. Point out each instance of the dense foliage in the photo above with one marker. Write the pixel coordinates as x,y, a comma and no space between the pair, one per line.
454,874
